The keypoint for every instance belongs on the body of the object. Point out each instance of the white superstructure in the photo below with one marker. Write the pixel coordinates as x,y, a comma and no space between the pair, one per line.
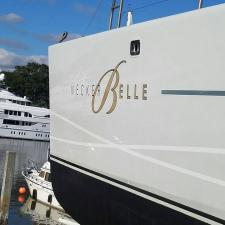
142,110
18,119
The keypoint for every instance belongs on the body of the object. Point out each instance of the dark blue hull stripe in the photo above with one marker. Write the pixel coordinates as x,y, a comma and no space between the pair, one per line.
181,206
193,92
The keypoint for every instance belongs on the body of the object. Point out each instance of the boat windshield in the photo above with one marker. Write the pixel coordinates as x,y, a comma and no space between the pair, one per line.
48,177
42,174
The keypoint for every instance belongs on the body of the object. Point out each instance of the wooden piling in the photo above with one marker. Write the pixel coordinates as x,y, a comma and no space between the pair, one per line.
7,186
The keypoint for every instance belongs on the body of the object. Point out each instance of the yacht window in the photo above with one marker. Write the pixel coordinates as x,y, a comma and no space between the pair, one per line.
14,101
48,177
10,112
42,174
15,113
11,122
19,113
22,103
6,111
29,115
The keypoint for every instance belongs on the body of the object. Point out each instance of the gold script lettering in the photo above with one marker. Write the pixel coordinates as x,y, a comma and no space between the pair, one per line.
135,92
144,93
109,87
128,96
121,91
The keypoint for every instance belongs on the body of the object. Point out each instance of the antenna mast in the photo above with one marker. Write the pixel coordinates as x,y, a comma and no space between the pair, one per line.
199,4
113,8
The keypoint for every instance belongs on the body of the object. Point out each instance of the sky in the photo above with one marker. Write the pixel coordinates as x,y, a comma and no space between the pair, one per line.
28,27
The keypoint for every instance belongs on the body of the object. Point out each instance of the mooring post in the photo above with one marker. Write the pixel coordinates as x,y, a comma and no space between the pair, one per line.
7,186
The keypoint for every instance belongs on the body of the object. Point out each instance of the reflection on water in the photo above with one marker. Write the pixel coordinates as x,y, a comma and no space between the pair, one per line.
43,214
25,150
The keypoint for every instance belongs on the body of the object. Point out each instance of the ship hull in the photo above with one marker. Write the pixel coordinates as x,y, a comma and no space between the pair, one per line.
42,192
18,133
93,201
142,134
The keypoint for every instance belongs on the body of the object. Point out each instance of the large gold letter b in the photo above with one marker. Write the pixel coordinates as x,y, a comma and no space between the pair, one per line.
109,87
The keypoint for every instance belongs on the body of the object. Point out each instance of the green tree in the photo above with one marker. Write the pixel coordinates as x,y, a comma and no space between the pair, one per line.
32,81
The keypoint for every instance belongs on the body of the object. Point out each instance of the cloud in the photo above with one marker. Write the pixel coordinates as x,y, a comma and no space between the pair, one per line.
84,8
8,60
13,44
11,18
54,38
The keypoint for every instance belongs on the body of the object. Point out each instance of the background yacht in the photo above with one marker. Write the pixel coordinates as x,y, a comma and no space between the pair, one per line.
18,119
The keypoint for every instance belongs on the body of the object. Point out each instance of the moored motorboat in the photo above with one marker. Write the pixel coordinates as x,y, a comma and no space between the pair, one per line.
40,186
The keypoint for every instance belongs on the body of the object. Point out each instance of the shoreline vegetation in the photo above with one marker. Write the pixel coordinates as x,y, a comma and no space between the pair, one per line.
32,81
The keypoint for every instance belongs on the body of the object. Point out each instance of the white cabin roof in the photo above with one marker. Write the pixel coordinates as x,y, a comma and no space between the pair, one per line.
31,109
4,94
7,104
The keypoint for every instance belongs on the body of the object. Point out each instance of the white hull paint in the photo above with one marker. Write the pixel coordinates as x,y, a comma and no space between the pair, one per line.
42,193
40,186
19,133
171,144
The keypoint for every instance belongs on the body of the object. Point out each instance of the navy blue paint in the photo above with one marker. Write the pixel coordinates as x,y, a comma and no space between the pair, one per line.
93,202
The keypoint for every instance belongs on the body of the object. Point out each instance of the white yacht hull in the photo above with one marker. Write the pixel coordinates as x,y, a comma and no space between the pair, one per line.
42,193
18,119
18,133
155,151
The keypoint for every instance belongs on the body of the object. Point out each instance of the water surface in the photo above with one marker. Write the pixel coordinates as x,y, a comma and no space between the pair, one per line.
26,213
